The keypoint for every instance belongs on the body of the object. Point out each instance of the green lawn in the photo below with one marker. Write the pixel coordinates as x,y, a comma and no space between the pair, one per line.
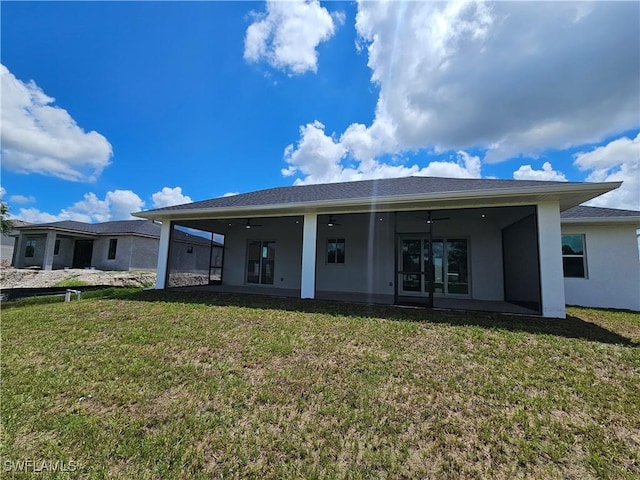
175,385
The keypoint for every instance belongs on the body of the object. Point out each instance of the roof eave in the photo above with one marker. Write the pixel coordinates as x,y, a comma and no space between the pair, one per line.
629,220
80,233
573,193
36,229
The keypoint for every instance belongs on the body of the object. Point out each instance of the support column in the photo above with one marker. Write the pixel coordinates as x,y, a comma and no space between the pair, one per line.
18,251
163,255
49,246
550,248
309,237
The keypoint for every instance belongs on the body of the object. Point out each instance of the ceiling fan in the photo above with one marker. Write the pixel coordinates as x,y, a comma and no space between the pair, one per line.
250,225
429,220
332,222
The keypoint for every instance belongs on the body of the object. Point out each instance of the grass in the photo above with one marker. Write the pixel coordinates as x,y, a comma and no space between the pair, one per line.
130,384
72,282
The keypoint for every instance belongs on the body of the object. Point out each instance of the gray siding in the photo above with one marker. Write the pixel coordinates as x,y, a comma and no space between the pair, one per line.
65,255
38,256
133,252
100,255
144,253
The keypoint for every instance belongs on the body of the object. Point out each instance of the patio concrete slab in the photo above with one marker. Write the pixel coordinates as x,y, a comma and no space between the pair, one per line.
350,297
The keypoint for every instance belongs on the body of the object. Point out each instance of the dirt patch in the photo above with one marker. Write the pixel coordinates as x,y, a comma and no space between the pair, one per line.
29,278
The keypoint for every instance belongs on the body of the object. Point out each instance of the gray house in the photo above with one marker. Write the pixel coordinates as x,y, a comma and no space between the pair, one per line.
118,245
7,242
460,243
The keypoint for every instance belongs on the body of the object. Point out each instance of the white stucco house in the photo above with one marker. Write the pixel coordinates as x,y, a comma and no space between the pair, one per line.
600,257
478,244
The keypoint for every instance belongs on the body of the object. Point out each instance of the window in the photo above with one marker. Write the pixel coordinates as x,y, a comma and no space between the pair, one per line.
56,247
113,246
573,256
189,248
30,249
335,250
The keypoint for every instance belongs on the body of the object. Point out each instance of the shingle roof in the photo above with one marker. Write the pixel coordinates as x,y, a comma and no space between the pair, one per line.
387,187
118,227
582,211
140,227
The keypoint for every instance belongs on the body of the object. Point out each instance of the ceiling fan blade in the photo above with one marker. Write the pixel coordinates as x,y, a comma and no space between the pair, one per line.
332,222
249,225
428,219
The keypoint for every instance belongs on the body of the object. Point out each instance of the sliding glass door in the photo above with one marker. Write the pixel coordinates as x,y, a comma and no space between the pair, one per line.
261,258
450,270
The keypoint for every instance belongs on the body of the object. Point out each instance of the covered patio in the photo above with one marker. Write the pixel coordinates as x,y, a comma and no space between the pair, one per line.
488,245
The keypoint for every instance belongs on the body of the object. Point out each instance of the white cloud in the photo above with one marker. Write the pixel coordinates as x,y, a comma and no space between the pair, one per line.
2,192
465,166
230,194
619,160
117,205
33,215
527,172
510,78
324,159
317,155
167,197
513,77
39,137
21,199
122,203
287,35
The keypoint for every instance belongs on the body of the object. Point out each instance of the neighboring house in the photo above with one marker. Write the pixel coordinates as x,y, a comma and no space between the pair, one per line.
600,257
460,243
7,242
118,245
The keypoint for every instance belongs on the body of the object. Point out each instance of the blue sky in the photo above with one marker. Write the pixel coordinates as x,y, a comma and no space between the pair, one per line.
109,108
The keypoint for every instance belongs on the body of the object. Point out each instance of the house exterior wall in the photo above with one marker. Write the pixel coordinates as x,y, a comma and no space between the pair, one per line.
613,267
100,253
144,253
132,253
64,258
38,256
7,247
288,237
369,255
